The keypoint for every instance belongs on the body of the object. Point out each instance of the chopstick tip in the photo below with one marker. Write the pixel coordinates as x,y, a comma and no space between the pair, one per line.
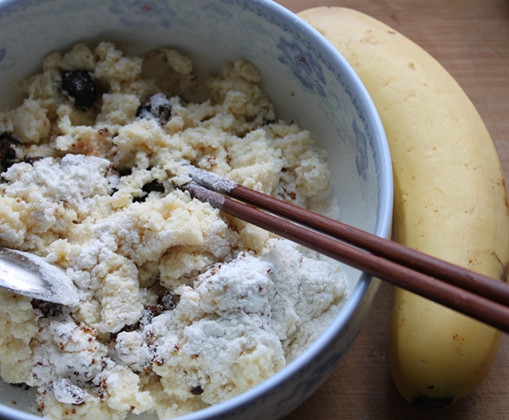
210,180
203,194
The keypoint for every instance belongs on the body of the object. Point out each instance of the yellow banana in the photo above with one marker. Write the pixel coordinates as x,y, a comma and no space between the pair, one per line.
450,200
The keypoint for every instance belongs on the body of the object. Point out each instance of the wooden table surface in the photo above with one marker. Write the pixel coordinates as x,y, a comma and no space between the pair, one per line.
471,40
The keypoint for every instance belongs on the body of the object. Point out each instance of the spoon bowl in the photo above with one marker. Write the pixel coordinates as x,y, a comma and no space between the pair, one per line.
32,276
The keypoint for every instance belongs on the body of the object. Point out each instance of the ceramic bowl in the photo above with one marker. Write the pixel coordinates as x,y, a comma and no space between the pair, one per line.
306,79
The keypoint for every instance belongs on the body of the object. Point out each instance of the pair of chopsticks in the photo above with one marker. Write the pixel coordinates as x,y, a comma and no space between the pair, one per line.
465,291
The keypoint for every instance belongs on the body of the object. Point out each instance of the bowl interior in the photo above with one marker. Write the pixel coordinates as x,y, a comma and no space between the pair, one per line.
304,77
302,73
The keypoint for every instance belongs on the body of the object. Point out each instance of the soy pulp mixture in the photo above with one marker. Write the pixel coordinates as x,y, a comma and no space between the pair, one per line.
181,306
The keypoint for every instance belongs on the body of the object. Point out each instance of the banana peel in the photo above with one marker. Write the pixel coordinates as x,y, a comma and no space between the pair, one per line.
450,200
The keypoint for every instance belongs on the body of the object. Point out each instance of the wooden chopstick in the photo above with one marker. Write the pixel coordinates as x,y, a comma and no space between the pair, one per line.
473,294
450,273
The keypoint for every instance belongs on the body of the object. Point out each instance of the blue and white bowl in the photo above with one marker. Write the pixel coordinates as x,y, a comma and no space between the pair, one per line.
307,80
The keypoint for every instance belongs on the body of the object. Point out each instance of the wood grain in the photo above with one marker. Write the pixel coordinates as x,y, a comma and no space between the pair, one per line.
471,40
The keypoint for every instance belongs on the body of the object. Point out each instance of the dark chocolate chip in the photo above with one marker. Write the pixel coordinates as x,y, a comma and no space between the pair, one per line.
79,85
197,390
155,107
7,151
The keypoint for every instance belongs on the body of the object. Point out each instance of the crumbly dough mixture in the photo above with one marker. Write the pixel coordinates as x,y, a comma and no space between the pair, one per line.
181,306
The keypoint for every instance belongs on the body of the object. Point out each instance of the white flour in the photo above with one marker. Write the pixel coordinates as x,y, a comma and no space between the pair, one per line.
181,306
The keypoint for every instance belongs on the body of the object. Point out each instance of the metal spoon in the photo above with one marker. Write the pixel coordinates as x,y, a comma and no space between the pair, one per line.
32,276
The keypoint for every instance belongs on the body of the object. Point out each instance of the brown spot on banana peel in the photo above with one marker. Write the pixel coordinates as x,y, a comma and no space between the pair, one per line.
459,341
426,376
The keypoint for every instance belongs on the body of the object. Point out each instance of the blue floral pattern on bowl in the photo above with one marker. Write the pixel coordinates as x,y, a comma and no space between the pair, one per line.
142,14
304,65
